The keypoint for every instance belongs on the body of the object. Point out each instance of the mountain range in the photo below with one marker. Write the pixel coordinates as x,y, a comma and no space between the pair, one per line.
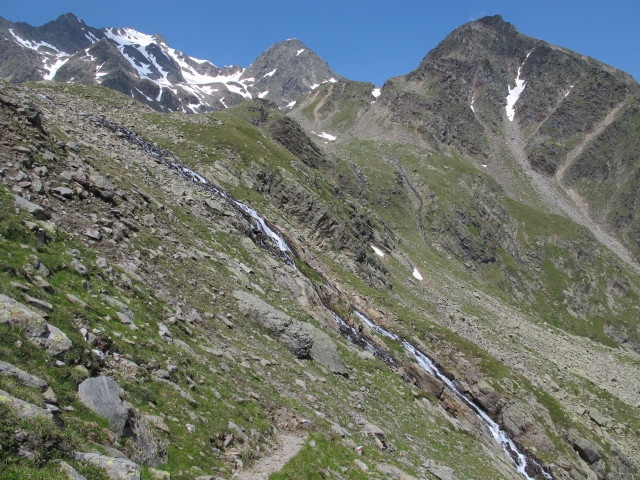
279,272
146,68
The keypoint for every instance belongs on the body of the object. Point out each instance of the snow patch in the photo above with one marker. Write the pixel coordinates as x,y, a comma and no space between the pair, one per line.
378,252
263,94
515,92
569,91
129,36
53,69
222,102
514,95
270,74
291,104
35,45
146,97
327,136
300,51
416,274
376,92
90,36
239,89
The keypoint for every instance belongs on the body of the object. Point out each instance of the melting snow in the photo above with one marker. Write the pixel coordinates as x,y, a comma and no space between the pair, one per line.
416,274
379,252
239,89
327,136
316,85
53,69
515,92
291,104
222,102
128,36
514,95
100,74
142,93
51,63
270,74
208,89
91,37
376,92
34,45
300,51
263,94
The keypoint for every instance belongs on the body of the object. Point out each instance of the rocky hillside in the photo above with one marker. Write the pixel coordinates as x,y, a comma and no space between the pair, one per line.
553,127
360,289
147,69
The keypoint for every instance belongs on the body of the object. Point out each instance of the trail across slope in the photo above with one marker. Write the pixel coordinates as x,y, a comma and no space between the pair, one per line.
290,445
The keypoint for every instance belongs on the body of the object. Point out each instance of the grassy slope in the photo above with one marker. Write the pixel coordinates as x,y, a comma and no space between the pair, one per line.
232,387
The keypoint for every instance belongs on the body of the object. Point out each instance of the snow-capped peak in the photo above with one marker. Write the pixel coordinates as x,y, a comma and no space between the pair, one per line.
129,36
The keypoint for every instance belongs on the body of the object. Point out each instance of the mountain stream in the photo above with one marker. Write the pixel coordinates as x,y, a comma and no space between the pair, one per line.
270,239
518,458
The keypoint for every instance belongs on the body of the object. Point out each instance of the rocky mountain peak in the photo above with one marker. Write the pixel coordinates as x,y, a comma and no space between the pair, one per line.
68,33
288,70
146,68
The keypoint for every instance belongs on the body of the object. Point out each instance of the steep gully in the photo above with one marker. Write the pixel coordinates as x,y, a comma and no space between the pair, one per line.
268,238
561,198
405,177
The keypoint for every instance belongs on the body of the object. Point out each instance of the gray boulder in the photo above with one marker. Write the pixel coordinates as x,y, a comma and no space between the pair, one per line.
587,450
34,209
324,351
71,472
293,333
102,395
24,409
35,327
116,468
22,376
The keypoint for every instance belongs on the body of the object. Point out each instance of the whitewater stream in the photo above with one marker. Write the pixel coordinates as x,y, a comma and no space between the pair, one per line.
262,234
272,240
518,458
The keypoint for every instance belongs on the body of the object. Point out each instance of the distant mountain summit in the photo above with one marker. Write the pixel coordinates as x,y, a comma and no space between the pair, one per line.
146,68
288,70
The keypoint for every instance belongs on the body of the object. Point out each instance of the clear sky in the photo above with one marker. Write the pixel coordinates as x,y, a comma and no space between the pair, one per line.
361,40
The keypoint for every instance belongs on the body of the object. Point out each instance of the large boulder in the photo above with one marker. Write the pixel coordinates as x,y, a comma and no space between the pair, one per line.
325,352
24,409
35,327
116,468
102,395
34,209
22,376
293,333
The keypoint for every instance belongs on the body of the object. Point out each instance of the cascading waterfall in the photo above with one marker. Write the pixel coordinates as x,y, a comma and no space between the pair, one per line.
168,159
279,244
518,458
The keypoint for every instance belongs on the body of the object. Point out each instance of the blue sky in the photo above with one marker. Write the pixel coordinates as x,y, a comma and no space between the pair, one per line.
361,40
